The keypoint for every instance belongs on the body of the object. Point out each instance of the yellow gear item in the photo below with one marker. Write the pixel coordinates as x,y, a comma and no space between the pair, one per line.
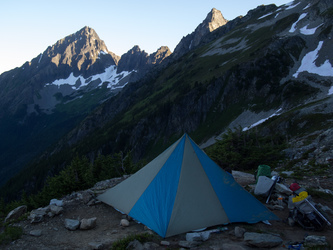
302,195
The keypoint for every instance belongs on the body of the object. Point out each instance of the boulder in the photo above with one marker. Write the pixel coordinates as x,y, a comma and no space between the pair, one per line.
263,186
242,178
93,202
315,241
193,237
88,223
135,245
165,243
50,214
200,236
262,240
72,224
101,245
16,213
56,202
37,215
35,233
124,223
96,245
56,209
239,232
86,196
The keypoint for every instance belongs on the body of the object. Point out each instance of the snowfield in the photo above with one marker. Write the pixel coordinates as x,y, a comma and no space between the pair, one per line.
109,75
265,15
308,64
293,26
306,31
291,6
262,120
330,91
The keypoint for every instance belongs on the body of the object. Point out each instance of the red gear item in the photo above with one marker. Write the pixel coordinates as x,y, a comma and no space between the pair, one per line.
294,187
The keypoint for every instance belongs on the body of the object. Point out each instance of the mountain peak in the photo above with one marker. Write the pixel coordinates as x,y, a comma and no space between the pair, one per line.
213,20
135,49
80,50
137,59
86,30
158,56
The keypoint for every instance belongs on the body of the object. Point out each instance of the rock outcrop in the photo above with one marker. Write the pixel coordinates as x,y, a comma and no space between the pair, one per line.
16,213
262,240
139,60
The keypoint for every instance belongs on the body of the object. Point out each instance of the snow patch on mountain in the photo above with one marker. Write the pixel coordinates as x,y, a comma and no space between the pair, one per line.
306,31
71,80
109,75
40,58
330,91
265,15
102,52
293,26
291,6
308,64
307,6
262,120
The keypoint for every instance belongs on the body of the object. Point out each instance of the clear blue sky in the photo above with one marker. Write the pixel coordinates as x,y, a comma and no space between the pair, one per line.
29,27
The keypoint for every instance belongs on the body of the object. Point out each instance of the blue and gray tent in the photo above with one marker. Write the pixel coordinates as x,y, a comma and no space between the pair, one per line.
183,190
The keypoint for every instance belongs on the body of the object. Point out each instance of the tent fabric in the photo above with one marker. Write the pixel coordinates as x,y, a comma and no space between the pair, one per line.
183,190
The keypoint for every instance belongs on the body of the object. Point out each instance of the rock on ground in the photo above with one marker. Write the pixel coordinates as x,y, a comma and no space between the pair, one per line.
262,240
16,213
72,224
88,223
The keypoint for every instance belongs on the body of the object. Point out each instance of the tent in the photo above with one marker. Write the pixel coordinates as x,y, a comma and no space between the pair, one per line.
182,190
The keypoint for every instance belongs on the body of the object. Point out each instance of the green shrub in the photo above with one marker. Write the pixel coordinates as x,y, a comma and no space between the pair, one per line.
319,194
246,150
10,234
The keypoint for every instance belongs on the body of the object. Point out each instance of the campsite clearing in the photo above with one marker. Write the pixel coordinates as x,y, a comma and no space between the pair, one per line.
54,235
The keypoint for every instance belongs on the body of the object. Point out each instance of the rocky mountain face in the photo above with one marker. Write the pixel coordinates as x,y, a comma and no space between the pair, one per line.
271,69
80,53
52,92
78,61
213,21
253,69
140,62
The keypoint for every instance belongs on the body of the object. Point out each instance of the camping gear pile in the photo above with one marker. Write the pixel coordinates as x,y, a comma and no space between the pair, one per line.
271,187
305,211
302,209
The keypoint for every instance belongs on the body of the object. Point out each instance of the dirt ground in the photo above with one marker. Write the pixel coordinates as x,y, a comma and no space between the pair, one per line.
56,236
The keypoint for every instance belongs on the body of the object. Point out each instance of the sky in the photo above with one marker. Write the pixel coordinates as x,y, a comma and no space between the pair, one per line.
29,27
